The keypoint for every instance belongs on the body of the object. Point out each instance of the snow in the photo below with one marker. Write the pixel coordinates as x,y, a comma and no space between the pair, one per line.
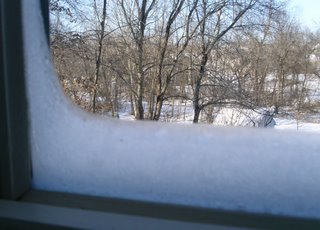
240,169
244,117
229,117
286,124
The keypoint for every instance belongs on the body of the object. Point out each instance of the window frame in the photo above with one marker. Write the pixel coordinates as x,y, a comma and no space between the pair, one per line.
16,192
15,151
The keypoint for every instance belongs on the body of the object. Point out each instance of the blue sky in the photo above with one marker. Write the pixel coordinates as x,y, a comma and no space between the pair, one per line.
308,11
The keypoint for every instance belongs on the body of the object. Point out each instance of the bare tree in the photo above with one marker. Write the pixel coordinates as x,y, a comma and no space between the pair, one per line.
163,82
212,53
136,19
212,15
99,55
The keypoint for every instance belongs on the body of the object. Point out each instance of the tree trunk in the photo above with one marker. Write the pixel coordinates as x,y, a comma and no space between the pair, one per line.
132,104
197,111
115,103
151,102
196,97
158,109
139,102
196,100
98,61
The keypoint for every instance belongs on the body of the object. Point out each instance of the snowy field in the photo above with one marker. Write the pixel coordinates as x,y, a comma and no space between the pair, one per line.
183,113
286,124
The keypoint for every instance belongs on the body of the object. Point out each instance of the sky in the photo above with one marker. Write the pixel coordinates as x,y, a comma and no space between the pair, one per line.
308,11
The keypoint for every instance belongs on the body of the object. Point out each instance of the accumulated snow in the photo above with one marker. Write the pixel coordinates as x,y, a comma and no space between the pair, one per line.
241,169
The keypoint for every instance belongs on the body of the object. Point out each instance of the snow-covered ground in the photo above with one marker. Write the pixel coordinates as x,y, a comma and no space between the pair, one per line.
227,117
287,124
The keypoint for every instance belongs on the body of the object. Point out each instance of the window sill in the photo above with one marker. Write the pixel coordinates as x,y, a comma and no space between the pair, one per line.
51,209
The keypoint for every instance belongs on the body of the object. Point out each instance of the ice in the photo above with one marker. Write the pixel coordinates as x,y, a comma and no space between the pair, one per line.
245,169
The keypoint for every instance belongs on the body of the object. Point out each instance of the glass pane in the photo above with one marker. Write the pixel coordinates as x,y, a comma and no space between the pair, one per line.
233,63
239,169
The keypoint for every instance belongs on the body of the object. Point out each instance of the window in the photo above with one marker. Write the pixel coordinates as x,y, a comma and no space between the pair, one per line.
237,177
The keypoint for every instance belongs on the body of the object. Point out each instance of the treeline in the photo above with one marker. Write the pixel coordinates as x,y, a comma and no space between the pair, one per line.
213,53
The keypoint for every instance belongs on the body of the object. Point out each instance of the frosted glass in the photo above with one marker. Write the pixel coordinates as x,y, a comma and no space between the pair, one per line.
255,170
